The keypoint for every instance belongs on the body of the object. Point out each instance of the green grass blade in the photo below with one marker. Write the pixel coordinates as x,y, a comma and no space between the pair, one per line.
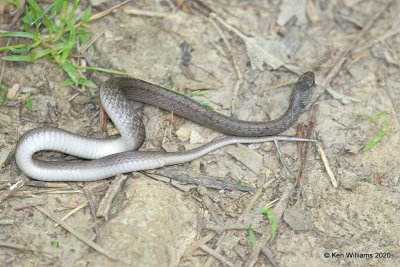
85,82
41,53
378,136
36,13
272,221
4,91
67,82
382,129
70,42
70,69
86,15
57,5
103,70
73,10
251,235
82,35
28,35
12,47
18,58
28,101
378,116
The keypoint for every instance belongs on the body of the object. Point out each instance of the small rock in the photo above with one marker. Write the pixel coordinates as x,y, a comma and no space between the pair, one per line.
296,219
183,134
195,137
248,157
13,91
349,180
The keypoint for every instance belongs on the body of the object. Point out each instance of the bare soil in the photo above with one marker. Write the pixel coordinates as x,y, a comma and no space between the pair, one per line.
155,221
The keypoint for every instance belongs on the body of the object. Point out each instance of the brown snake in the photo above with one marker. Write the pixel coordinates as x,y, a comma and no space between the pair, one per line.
115,155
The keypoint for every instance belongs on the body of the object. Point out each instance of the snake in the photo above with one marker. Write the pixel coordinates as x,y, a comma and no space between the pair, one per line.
107,157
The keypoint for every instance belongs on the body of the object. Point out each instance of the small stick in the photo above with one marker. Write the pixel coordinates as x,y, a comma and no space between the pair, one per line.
31,202
206,181
195,245
6,221
46,184
283,162
19,247
267,253
69,214
211,206
106,202
12,190
303,148
222,228
216,255
138,12
77,234
92,206
254,199
327,166
107,11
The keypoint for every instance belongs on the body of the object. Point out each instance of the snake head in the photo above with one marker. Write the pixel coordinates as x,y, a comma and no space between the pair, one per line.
306,81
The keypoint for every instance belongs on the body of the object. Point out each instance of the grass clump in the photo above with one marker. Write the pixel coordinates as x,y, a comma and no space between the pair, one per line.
51,32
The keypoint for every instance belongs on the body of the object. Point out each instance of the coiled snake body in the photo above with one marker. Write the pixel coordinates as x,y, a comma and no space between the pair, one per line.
116,155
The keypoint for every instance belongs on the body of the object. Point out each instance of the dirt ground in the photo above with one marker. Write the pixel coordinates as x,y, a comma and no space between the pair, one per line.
243,56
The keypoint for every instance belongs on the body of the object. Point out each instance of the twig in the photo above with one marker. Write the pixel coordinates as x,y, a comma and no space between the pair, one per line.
254,199
195,245
221,228
77,234
106,202
206,181
46,184
342,58
270,204
211,206
138,12
216,255
12,190
267,253
30,202
282,84
69,214
303,148
283,162
327,166
92,39
19,247
92,206
107,11
6,221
